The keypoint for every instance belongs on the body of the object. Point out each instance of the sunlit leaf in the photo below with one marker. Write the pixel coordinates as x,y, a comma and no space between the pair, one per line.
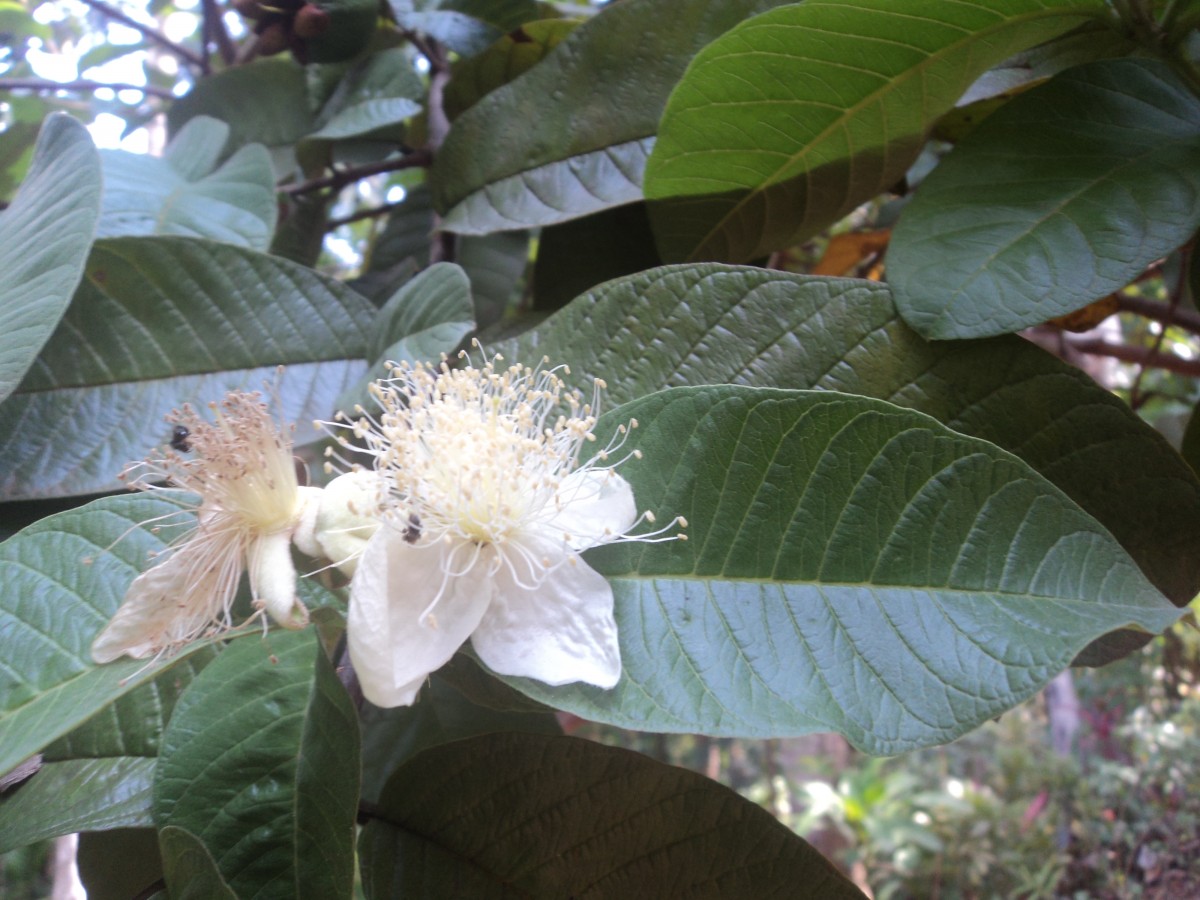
797,116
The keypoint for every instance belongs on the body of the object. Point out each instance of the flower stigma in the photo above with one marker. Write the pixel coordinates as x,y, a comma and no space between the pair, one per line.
240,465
489,503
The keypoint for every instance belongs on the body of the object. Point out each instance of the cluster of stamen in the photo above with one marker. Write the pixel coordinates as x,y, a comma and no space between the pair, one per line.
477,456
241,467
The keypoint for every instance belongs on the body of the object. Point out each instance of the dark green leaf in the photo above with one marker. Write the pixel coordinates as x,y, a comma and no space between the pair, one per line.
494,263
160,321
524,815
44,239
587,116
1062,197
578,255
794,118
391,736
260,763
851,566
710,324
190,870
78,795
189,191
133,725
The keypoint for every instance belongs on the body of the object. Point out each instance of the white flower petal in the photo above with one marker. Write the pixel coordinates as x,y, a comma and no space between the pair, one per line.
169,603
559,632
348,517
595,506
393,644
273,579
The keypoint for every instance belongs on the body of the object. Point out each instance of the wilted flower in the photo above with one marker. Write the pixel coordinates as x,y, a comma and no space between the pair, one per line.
487,511
250,505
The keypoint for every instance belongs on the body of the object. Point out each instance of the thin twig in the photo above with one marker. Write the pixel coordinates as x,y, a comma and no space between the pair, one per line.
214,28
1187,319
45,84
362,214
151,34
1127,353
342,177
1135,399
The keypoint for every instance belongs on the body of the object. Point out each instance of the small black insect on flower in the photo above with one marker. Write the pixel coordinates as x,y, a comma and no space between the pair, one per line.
412,533
179,439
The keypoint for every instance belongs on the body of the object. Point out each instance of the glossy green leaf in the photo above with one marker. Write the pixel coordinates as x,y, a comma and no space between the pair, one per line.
797,116
189,191
1060,198
850,566
64,578
78,795
45,234
264,102
162,321
588,113
711,324
190,870
260,763
523,815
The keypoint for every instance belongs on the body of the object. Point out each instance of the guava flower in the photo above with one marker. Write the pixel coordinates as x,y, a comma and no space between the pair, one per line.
488,508
250,505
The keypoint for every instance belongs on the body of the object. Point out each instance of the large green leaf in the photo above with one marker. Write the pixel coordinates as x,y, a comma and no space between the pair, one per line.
44,238
260,763
64,578
190,192
850,566
1063,196
588,113
710,324
797,116
78,795
522,815
160,321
